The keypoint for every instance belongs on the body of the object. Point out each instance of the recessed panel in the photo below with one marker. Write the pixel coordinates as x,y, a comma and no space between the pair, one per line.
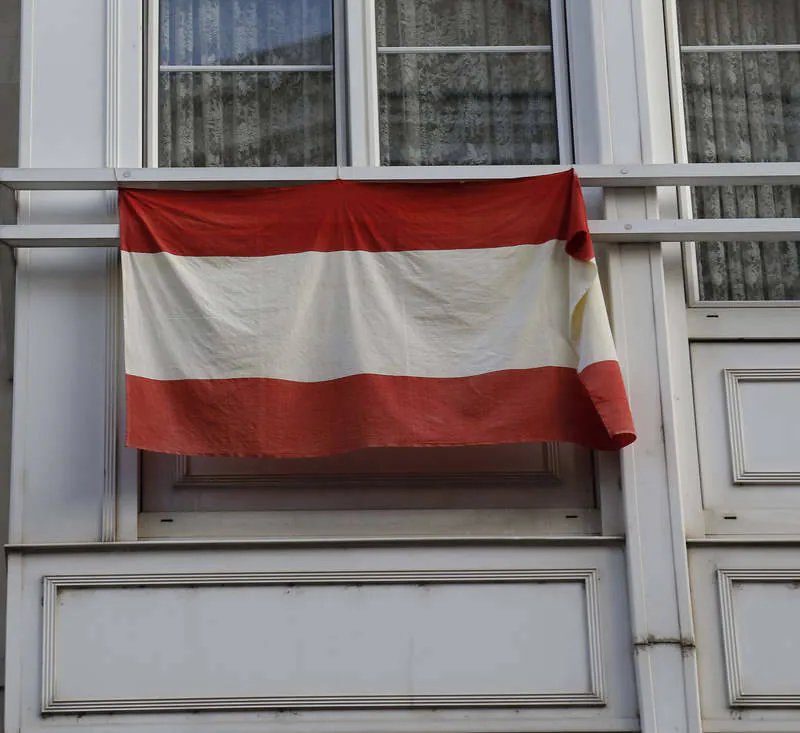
323,641
747,399
759,611
769,424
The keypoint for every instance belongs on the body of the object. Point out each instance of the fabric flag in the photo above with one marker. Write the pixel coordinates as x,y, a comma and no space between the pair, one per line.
313,320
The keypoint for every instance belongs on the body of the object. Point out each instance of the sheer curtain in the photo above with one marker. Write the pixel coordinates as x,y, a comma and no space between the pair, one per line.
466,107
440,108
742,107
283,116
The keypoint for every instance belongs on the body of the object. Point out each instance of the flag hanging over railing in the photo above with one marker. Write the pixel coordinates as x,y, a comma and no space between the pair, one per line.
318,319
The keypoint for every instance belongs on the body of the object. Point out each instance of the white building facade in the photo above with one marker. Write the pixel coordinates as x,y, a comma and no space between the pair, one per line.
506,589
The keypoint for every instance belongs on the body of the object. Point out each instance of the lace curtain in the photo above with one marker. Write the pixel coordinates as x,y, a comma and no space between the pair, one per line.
464,107
743,107
281,116
470,107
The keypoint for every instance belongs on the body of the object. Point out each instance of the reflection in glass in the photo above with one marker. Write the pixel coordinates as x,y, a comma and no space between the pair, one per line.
239,32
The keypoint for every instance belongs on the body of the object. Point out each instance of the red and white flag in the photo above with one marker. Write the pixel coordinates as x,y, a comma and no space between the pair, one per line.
313,320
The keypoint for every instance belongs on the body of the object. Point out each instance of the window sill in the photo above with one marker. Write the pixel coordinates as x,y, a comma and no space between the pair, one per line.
420,525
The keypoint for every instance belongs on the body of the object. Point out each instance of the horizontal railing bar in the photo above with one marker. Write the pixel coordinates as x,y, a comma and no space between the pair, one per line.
59,179
742,48
464,49
58,235
612,230
105,179
245,67
606,176
685,230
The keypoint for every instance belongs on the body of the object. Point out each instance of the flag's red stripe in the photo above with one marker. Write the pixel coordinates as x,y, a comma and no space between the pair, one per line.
347,215
247,417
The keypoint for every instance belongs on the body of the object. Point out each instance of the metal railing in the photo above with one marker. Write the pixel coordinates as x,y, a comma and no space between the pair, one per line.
591,176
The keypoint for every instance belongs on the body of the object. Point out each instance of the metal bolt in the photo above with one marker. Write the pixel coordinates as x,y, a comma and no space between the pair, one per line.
629,226
126,174
624,171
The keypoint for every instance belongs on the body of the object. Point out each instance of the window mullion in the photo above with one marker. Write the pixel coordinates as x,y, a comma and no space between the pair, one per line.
152,58
362,84
558,24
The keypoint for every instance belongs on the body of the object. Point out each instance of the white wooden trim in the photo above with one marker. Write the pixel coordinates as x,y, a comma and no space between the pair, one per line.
345,525
255,68
151,64
743,48
21,335
340,90
680,142
114,31
362,84
752,524
746,319
658,583
561,81
260,543
463,49
15,646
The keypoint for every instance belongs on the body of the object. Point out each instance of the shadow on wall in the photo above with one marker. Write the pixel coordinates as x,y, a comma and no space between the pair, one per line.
9,81
9,134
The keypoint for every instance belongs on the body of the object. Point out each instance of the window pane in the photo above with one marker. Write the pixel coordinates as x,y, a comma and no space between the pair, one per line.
246,32
270,117
462,109
246,119
743,107
465,107
463,22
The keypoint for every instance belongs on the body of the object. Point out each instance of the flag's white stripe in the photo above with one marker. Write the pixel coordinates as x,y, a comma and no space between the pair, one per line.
318,316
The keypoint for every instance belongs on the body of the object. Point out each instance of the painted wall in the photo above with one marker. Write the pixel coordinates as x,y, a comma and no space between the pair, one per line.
580,633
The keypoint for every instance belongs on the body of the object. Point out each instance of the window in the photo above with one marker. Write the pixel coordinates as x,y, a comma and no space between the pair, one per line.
287,82
363,82
465,82
246,83
503,489
741,81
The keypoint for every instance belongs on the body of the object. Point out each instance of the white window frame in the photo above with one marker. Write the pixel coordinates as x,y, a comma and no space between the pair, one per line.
356,104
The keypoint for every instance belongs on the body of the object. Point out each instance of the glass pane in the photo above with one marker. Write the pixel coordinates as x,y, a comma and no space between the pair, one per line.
745,107
239,32
463,22
729,22
246,119
467,109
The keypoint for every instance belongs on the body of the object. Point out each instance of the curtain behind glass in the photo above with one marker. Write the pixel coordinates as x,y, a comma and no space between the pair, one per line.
743,107
470,107
246,118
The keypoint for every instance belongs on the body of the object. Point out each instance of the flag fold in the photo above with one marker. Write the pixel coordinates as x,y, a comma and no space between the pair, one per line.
314,320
